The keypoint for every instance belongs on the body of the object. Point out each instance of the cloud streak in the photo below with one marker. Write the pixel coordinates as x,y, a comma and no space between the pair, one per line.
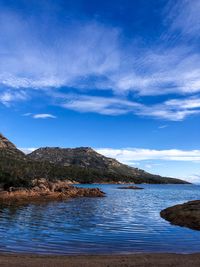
40,116
174,109
44,116
8,97
90,55
130,155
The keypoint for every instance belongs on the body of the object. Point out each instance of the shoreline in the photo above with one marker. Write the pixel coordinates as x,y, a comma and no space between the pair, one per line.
111,260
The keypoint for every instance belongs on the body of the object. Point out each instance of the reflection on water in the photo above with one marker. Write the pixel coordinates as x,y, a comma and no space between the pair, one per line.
123,222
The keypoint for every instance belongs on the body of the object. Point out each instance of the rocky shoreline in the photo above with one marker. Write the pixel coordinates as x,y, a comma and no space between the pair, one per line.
185,215
44,190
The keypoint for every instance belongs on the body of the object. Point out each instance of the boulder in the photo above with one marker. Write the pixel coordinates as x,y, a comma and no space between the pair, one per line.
185,215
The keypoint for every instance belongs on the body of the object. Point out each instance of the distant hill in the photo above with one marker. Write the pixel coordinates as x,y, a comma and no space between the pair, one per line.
82,164
88,159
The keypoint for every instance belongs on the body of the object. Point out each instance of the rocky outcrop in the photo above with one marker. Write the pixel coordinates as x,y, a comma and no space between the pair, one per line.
43,189
186,215
132,187
7,147
5,143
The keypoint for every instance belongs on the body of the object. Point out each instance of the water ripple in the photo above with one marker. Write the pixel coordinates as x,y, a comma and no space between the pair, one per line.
123,222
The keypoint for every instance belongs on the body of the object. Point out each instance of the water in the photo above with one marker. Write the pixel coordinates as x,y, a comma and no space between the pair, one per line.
125,221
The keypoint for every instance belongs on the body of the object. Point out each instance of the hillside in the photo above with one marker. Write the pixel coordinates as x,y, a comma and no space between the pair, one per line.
88,159
83,165
8,148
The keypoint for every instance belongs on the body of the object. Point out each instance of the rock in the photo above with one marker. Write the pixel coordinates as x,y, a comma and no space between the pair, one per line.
36,188
185,215
133,187
8,148
5,143
42,189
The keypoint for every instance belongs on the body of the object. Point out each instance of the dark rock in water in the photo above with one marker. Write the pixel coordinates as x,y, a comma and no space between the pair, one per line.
133,187
186,215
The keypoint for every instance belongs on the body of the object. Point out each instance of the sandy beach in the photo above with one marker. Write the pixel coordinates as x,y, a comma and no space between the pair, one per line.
133,260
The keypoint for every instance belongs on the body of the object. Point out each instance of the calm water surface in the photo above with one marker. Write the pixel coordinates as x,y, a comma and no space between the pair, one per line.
124,221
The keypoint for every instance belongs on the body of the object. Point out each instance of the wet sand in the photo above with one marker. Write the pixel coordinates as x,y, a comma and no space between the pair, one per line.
133,260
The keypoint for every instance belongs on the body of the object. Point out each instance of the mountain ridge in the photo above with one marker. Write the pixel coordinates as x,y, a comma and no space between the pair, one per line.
86,157
82,164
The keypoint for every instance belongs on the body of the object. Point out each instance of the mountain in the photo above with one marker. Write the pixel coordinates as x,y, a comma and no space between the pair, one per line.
83,165
107,169
6,147
5,143
84,157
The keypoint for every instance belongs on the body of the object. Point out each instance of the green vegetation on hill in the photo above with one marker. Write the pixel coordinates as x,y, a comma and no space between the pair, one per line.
19,172
82,165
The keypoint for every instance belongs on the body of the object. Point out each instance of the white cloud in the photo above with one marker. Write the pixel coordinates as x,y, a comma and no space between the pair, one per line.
174,110
9,96
130,155
194,178
40,115
92,56
43,116
27,62
27,150
163,126
184,17
101,105
68,57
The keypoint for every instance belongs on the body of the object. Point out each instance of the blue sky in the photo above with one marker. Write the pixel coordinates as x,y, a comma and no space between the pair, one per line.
120,76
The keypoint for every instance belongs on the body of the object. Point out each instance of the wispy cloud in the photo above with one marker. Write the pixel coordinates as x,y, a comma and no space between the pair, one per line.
174,110
129,155
94,56
162,126
40,116
184,17
44,116
29,62
101,105
9,96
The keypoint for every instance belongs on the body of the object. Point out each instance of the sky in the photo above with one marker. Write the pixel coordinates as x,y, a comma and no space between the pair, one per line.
122,77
